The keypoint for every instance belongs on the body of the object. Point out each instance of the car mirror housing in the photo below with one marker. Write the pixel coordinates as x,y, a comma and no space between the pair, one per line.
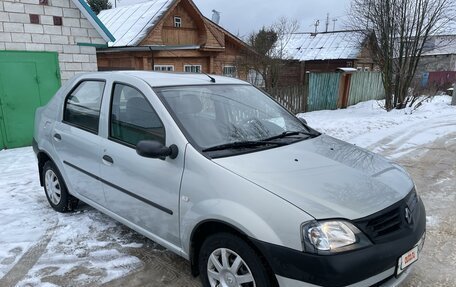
154,149
303,121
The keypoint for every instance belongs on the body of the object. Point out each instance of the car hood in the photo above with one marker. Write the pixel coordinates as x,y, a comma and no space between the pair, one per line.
325,177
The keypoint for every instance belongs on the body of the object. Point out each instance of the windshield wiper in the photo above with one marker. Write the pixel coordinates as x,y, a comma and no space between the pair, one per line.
244,144
290,134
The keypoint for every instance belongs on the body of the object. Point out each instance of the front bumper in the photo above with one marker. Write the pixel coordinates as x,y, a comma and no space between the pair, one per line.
388,278
363,267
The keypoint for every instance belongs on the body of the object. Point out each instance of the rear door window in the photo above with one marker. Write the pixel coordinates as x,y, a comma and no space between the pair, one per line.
132,118
82,105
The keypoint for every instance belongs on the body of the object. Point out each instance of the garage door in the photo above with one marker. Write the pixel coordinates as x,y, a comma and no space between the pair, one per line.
27,81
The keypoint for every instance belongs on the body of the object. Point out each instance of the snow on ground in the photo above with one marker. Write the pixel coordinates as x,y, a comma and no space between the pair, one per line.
39,247
369,125
54,244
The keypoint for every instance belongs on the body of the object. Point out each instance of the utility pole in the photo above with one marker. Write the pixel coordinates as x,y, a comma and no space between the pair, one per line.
327,22
317,23
334,24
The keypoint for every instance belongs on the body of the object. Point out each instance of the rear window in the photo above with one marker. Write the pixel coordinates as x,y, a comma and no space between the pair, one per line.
82,105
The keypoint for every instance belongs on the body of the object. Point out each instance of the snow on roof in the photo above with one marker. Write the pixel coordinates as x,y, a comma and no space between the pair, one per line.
325,46
130,24
440,45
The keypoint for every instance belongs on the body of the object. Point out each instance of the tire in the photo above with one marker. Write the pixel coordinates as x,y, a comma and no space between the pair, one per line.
235,250
56,190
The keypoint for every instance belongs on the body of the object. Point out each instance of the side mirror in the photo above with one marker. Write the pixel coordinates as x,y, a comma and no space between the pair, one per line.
154,149
303,121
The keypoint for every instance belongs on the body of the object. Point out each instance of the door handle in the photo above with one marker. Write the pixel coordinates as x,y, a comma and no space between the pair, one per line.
108,159
57,137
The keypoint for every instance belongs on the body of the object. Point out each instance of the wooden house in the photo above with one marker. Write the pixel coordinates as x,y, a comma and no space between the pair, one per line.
325,52
168,35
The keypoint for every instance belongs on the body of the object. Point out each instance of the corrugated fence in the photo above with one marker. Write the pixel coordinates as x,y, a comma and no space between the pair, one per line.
365,87
323,91
328,91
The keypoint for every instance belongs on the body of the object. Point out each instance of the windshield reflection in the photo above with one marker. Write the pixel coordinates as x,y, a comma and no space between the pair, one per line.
214,115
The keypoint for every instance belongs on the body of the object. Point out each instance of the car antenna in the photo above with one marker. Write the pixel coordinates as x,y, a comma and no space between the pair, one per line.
210,77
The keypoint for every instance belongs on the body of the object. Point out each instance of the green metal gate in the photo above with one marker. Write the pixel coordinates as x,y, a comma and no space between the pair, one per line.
28,80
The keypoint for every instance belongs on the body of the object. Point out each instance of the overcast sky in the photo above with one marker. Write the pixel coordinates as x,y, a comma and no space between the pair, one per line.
241,17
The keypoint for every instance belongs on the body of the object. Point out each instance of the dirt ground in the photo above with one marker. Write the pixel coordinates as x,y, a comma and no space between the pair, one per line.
433,167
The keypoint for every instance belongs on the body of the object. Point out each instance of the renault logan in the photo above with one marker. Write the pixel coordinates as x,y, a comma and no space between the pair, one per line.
219,173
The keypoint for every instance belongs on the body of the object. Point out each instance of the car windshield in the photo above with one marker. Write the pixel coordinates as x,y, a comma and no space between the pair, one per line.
225,116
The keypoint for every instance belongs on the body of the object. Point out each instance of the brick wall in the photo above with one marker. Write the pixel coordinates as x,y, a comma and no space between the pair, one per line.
18,34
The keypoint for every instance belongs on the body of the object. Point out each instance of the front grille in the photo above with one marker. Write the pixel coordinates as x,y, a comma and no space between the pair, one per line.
388,222
385,223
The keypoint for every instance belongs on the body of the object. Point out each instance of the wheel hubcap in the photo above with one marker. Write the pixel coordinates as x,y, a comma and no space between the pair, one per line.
225,268
53,190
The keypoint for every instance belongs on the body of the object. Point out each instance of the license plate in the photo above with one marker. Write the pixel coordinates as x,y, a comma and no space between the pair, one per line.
407,259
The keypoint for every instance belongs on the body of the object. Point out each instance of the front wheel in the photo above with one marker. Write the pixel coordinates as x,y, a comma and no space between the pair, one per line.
226,260
56,191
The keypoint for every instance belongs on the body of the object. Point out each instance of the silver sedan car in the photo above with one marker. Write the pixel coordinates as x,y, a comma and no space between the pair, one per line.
216,171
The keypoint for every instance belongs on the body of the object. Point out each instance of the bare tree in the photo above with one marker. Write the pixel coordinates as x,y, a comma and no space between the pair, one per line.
399,30
268,50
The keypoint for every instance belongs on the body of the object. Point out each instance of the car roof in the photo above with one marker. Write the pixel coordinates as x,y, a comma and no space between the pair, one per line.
162,79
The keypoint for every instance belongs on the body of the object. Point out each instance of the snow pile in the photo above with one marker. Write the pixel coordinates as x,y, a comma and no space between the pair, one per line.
369,125
40,246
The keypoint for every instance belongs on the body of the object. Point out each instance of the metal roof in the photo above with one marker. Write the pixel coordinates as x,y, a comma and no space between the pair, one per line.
130,24
325,46
440,45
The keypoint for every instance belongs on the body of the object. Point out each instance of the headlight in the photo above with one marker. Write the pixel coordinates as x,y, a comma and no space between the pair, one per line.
332,237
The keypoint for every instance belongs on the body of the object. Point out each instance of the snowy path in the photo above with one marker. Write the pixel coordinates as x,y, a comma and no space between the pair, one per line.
39,247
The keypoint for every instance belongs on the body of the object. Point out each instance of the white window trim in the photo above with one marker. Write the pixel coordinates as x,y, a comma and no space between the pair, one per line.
177,22
164,68
191,66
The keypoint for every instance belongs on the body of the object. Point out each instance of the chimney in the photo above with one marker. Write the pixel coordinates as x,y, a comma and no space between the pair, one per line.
215,16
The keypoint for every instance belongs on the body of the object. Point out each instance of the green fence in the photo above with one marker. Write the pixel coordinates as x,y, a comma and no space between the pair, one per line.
323,91
365,87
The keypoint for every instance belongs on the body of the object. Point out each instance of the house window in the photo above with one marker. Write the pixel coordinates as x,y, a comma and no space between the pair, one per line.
366,69
164,68
177,22
229,71
192,68
360,69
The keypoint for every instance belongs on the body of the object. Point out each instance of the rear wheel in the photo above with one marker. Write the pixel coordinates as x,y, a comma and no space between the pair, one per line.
228,261
56,191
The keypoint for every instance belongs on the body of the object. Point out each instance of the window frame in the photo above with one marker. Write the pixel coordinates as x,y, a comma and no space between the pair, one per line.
101,105
230,67
111,100
164,66
191,66
177,22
